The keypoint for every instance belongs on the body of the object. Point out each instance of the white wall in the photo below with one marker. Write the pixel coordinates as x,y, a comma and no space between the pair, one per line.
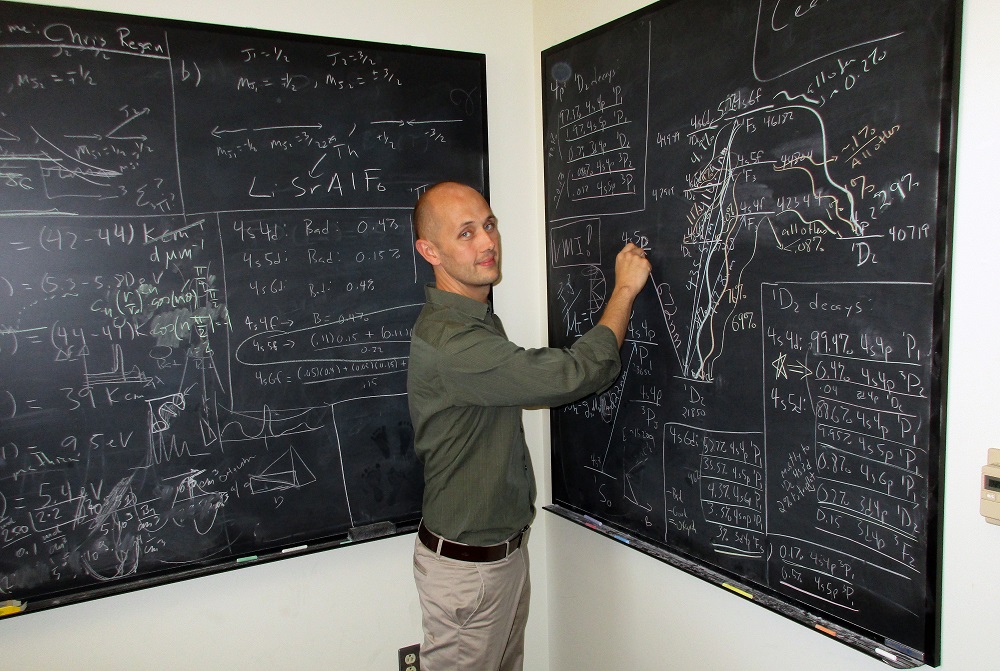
353,607
612,608
596,605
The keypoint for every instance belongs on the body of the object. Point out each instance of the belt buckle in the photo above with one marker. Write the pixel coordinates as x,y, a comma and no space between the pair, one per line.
516,540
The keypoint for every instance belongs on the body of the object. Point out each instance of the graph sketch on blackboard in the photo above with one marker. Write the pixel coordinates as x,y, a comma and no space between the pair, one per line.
778,421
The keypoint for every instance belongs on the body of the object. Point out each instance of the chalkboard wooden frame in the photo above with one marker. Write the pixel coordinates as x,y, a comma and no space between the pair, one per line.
208,282
625,107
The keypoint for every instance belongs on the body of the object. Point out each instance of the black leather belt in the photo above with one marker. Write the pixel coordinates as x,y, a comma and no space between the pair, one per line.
475,553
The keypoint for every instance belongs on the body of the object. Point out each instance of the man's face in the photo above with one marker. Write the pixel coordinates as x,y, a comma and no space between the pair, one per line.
465,242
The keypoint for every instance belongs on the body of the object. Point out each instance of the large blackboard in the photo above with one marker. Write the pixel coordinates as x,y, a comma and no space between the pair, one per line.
777,427
207,285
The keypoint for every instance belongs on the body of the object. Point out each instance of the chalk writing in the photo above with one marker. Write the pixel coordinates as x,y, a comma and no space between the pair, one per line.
208,288
775,418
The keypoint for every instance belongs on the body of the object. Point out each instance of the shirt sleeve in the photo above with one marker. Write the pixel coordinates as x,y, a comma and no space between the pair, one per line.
481,367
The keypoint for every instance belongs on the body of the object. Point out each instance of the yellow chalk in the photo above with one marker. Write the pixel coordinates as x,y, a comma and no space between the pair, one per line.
748,595
11,607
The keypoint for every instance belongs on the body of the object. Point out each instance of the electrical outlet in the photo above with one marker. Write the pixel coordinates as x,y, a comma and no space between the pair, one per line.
409,658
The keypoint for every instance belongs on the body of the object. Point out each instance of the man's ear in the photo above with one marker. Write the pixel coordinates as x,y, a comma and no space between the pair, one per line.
426,250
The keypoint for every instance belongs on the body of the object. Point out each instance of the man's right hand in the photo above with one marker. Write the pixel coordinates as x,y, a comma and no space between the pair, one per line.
632,269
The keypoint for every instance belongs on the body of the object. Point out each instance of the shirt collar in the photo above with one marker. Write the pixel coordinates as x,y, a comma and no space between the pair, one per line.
463,304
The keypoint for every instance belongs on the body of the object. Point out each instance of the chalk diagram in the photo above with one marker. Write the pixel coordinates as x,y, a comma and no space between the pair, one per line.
288,471
737,206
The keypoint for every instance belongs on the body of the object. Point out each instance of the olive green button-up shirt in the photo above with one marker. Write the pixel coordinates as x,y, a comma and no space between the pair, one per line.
467,384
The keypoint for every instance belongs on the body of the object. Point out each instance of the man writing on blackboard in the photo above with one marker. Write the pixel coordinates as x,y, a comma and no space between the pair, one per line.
467,384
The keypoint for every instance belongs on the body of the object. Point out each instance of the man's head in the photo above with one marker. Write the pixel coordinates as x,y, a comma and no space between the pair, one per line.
457,234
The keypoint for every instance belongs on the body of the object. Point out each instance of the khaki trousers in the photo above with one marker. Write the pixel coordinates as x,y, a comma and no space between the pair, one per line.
474,613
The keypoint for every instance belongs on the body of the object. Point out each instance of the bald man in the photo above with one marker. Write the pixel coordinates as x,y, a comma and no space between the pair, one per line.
467,384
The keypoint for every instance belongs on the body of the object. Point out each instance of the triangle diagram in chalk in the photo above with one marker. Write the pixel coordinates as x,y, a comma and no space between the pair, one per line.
288,471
